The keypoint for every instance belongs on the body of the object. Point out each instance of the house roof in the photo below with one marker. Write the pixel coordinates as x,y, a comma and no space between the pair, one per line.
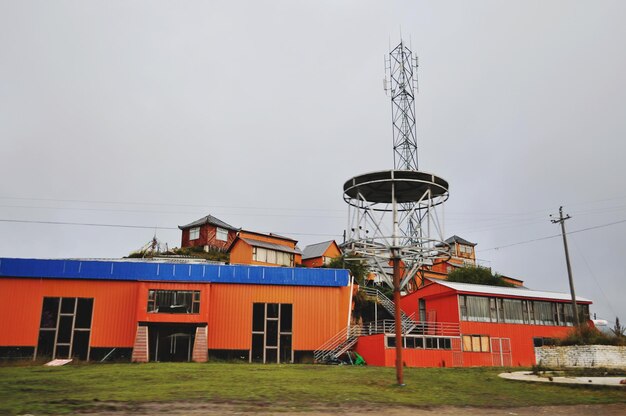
271,246
316,250
141,270
269,235
209,219
457,239
507,291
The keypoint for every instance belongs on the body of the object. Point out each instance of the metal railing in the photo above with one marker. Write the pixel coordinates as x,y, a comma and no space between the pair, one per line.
408,322
387,326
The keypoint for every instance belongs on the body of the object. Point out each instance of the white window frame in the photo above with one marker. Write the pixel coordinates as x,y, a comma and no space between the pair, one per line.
194,233
221,234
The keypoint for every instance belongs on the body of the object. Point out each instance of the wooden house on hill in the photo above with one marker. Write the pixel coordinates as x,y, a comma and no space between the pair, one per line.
208,232
320,254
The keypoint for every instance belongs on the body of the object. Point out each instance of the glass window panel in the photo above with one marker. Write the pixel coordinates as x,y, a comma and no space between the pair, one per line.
271,336
83,313
477,309
285,317
257,348
272,310
271,355
67,305
484,343
467,343
49,312
513,311
80,345
475,343
45,344
65,329
419,342
258,317
285,348
391,342
221,234
271,256
63,351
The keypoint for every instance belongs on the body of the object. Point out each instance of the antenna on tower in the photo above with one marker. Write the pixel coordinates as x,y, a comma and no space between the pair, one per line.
401,69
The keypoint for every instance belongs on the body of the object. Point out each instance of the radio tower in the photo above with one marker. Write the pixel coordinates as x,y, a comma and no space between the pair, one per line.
401,68
395,217
401,85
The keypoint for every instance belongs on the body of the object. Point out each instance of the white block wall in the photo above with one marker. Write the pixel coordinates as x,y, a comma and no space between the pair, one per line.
608,356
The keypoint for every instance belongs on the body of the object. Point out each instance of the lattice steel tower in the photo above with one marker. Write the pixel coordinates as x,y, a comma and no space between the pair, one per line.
401,84
395,217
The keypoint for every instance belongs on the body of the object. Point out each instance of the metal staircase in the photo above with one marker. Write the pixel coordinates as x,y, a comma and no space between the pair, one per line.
408,323
345,339
341,343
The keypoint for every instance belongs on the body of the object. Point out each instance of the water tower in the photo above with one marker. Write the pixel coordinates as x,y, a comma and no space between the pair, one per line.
395,217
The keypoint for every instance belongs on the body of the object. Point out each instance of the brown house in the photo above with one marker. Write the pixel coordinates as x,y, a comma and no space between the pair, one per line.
208,232
260,249
320,254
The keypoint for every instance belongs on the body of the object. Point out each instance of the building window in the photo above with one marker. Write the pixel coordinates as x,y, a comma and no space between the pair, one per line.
221,234
272,333
173,301
514,311
194,233
265,255
475,343
422,310
65,328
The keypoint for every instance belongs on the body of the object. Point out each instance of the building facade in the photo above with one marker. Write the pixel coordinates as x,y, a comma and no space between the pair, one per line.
461,324
250,247
208,232
164,311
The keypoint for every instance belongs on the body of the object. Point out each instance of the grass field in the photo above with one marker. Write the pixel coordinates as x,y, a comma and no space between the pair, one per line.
73,388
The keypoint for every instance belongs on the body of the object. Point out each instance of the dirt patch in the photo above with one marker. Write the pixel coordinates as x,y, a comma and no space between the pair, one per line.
232,408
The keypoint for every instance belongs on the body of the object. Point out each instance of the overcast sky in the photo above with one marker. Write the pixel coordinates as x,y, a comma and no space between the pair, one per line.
153,113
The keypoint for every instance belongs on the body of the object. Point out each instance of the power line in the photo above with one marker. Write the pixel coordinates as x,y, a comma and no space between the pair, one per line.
138,226
554,236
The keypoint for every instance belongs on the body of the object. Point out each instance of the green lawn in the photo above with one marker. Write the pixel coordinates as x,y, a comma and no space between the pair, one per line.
38,389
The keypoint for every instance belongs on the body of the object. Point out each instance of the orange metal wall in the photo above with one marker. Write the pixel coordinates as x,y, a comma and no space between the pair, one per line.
113,316
372,349
240,253
521,336
439,298
318,313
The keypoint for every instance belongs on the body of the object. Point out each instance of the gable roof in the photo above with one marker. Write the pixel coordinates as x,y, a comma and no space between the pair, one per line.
209,219
457,239
521,292
316,250
271,246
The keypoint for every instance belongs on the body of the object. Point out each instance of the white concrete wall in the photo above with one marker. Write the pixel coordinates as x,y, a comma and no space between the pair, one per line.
608,356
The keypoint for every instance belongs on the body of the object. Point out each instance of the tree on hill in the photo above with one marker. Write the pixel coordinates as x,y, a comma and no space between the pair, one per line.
477,275
357,268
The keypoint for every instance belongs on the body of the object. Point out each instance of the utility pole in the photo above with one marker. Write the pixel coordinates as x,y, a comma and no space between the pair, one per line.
561,220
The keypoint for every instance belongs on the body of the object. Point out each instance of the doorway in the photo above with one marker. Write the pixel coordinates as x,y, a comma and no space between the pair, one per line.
171,342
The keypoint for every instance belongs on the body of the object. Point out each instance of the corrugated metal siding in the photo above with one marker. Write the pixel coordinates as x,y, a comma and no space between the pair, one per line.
521,336
113,317
319,313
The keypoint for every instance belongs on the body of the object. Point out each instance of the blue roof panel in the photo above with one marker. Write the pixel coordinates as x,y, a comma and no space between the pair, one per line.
170,272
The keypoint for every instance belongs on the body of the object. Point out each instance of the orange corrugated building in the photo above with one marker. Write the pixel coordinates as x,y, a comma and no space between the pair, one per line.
320,254
163,311
250,247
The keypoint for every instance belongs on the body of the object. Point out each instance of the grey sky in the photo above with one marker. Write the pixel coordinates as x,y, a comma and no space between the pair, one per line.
155,113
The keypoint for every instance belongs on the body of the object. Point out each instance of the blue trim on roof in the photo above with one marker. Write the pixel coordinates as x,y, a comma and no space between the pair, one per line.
171,272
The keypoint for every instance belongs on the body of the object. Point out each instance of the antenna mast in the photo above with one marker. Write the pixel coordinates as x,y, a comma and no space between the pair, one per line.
401,85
